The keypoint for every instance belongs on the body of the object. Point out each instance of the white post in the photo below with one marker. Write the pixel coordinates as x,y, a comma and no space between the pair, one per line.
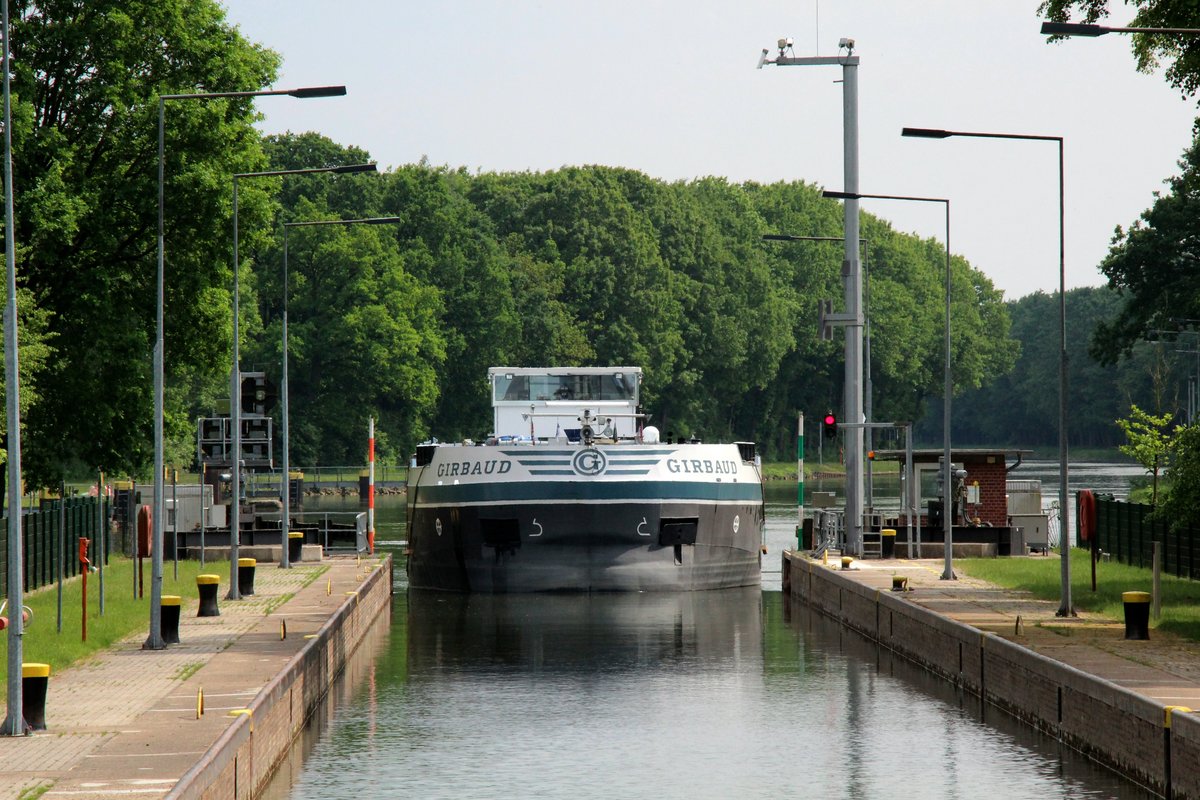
371,486
800,480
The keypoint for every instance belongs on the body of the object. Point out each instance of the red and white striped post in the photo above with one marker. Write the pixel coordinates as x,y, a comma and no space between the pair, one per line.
371,487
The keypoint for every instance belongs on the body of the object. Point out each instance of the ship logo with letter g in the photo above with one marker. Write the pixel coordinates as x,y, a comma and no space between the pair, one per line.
589,461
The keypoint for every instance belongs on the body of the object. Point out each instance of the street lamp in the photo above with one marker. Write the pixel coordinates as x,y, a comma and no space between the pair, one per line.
235,387
285,516
947,500
14,722
1066,608
155,639
852,270
1092,31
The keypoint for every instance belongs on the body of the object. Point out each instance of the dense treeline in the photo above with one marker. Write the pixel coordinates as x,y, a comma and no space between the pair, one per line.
588,266
1020,408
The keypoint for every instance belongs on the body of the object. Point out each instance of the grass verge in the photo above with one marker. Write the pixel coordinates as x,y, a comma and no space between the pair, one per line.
786,470
123,613
1042,577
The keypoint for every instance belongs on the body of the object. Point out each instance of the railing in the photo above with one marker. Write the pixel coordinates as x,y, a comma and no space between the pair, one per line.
1053,525
359,519
828,531
50,539
1127,531
348,476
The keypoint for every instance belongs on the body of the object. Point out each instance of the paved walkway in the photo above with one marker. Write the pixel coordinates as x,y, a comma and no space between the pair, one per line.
124,724
1165,668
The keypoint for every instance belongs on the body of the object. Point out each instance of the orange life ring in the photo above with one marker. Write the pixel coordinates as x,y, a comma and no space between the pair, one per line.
1087,515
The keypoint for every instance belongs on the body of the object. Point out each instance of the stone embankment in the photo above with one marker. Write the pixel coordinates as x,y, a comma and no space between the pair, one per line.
1126,704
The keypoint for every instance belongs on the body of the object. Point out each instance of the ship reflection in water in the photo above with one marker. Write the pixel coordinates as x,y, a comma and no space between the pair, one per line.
732,693
592,636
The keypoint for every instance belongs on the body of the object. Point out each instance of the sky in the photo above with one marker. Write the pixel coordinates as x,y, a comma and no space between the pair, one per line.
669,87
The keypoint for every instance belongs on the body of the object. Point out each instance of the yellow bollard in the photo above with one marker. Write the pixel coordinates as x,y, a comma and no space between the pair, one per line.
207,586
35,680
245,573
200,702
282,629
295,546
329,586
1137,614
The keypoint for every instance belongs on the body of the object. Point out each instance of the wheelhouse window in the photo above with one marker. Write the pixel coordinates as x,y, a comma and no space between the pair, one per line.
569,388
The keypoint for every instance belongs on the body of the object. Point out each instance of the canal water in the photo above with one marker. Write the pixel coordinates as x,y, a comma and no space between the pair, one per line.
702,695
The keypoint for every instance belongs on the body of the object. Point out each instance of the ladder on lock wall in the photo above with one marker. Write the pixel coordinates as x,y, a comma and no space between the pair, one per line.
829,532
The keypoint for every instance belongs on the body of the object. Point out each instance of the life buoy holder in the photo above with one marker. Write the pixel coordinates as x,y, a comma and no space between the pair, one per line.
1087,515
144,538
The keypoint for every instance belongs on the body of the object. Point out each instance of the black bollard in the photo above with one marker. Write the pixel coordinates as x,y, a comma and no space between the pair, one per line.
246,576
169,618
35,680
295,545
1137,614
887,543
207,586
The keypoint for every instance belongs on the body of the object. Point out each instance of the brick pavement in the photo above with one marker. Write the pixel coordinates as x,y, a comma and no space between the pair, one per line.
1164,668
124,723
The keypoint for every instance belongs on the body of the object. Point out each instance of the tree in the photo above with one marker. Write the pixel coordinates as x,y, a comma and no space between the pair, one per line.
1182,59
1155,265
1148,442
87,77
1181,506
583,266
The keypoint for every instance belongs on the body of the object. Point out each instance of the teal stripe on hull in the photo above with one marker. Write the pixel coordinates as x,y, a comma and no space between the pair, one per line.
518,491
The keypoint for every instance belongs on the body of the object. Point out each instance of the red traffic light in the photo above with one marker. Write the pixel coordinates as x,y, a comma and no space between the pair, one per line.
830,425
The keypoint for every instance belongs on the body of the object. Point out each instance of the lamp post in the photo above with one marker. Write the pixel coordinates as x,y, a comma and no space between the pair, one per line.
14,722
1066,608
155,641
867,390
852,270
285,516
235,382
947,504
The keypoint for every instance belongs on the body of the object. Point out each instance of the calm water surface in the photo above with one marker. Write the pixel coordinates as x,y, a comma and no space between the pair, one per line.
703,695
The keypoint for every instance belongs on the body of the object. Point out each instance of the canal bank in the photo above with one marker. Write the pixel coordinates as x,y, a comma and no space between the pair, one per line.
128,722
1079,680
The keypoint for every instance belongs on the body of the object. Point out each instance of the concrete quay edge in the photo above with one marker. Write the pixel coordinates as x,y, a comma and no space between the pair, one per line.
1121,702
125,722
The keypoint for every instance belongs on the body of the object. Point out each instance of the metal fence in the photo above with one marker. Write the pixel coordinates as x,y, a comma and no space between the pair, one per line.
50,539
348,476
1128,531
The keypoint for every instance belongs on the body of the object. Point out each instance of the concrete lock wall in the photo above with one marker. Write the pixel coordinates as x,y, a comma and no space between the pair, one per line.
241,762
1125,731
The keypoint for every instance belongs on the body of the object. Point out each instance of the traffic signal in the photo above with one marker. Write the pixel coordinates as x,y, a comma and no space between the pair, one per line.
829,425
258,394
